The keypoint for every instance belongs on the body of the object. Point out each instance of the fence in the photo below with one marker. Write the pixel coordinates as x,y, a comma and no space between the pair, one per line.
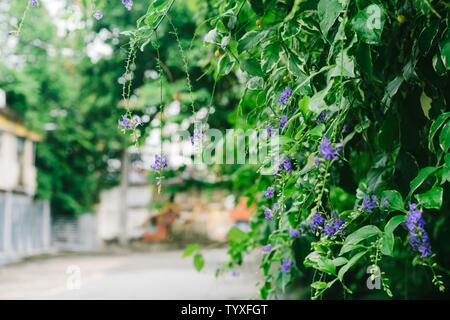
24,227
75,233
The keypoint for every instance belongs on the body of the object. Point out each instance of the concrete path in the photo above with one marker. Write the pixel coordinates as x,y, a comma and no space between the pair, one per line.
152,275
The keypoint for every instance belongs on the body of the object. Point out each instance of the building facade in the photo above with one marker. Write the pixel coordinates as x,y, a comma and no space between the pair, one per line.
24,222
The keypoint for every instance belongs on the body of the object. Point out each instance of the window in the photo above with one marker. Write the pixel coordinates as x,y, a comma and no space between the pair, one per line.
20,148
20,158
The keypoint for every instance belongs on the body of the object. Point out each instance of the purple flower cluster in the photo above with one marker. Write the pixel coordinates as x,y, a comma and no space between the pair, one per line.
98,15
329,227
321,117
334,225
294,233
287,164
287,92
269,193
34,3
415,224
269,130
160,163
283,121
267,248
286,265
126,123
317,221
128,4
370,203
267,213
196,137
327,150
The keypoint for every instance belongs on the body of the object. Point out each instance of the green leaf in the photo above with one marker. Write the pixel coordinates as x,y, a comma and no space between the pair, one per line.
339,261
369,23
431,199
190,249
391,90
389,135
349,264
445,53
224,66
427,36
438,65
199,262
440,120
294,67
291,29
251,40
387,244
255,83
393,223
319,285
345,66
328,11
359,235
444,137
420,178
395,200
270,55
319,262
425,103
236,235
446,169
252,67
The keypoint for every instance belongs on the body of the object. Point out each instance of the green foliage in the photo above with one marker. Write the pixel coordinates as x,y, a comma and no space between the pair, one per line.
378,71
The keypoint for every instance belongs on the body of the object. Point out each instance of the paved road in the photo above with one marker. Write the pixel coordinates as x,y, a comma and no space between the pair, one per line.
153,275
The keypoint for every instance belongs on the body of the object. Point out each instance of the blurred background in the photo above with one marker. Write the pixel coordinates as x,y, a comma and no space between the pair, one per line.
80,215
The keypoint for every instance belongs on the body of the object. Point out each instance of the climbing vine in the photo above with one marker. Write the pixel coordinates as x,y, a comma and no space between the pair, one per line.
357,90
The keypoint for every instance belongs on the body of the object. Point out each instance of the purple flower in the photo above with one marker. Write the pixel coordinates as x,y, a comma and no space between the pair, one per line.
286,265
370,203
283,121
327,151
334,225
317,220
321,117
160,163
270,191
269,130
294,233
415,224
128,4
137,121
267,213
196,137
287,165
287,92
317,160
98,15
235,273
34,3
124,123
267,248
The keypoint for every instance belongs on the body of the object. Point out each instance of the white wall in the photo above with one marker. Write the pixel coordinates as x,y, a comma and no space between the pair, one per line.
10,165
138,201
